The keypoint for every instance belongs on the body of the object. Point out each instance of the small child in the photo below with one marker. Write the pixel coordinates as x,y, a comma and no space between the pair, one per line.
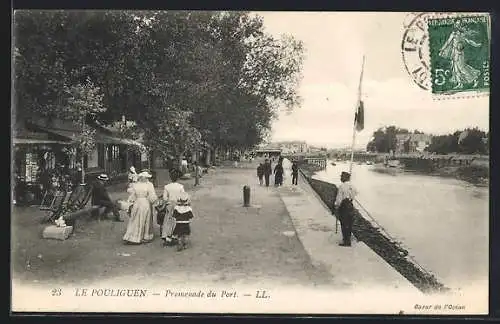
183,215
161,211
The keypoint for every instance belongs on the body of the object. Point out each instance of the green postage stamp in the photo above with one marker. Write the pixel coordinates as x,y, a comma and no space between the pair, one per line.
459,49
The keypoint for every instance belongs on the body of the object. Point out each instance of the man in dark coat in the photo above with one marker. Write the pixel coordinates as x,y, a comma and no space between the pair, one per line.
267,171
101,198
295,173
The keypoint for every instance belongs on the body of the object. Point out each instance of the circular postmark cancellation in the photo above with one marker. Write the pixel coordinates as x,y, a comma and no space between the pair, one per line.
414,50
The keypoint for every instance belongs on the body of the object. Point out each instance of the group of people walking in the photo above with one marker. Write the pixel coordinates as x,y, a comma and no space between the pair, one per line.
172,209
264,171
343,205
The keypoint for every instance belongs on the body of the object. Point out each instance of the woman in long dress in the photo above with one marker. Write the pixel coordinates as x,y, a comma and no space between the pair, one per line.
453,49
171,194
140,225
287,170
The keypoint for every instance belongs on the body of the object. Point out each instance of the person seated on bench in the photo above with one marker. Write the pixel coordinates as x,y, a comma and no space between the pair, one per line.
101,198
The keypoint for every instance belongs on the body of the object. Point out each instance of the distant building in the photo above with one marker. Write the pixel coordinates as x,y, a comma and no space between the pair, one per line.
412,143
291,147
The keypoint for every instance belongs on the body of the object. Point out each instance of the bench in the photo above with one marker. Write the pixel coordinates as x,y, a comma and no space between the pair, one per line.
53,204
91,211
57,203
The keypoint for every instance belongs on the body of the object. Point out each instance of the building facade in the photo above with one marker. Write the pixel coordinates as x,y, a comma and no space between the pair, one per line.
42,148
412,143
292,147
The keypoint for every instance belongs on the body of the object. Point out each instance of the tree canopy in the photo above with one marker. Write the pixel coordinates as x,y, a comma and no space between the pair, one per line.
187,79
467,141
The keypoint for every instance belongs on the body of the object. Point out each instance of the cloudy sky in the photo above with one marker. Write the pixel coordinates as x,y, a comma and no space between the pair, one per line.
335,44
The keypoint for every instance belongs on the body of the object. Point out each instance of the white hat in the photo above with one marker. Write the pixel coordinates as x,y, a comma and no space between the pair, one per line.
144,174
132,169
103,177
184,199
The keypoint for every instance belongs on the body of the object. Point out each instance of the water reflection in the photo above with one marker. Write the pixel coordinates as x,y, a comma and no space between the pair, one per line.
444,222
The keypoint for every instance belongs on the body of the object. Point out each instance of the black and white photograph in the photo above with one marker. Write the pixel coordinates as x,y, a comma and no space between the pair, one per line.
265,162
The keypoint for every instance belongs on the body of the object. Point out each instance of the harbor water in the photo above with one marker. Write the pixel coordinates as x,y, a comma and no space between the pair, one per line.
442,222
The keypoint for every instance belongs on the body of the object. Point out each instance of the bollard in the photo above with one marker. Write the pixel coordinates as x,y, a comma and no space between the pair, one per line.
246,196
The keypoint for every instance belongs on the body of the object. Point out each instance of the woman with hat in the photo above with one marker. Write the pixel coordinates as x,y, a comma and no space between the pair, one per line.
132,175
171,194
140,225
344,207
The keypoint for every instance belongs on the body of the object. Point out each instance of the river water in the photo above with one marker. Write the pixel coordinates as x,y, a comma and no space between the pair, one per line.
443,222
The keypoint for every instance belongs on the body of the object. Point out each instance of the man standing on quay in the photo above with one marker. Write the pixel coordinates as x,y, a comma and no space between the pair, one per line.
267,171
344,207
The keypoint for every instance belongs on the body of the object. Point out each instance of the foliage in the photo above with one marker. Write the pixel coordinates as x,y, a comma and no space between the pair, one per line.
473,143
84,102
180,76
384,139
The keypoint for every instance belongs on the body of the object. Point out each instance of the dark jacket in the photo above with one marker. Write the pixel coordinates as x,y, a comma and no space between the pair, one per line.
99,193
278,169
295,169
267,169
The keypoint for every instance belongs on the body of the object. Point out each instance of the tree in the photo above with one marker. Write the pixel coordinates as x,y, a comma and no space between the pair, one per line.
84,102
154,66
384,139
473,143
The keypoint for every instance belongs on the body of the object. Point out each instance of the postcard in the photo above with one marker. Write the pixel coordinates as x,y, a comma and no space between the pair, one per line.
250,162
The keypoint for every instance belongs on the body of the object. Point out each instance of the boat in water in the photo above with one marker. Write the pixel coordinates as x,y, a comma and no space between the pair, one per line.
392,167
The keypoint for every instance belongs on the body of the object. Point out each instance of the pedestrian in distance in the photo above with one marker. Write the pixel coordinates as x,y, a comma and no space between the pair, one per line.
295,173
132,175
260,173
278,173
268,169
183,213
344,207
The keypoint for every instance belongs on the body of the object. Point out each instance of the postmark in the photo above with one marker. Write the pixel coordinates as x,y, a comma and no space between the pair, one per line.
459,49
414,50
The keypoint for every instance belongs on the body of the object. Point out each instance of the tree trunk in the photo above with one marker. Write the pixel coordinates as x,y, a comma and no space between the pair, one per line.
83,169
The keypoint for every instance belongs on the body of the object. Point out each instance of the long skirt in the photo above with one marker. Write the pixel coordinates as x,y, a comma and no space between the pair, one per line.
168,223
140,224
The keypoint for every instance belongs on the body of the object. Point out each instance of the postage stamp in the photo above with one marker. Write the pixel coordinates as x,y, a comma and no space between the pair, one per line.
459,49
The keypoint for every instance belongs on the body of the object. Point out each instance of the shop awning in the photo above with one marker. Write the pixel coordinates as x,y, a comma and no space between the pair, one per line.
101,138
36,141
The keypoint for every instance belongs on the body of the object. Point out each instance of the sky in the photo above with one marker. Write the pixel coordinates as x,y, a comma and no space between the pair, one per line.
334,47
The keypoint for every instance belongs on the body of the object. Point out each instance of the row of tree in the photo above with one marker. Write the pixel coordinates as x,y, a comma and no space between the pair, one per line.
187,79
467,141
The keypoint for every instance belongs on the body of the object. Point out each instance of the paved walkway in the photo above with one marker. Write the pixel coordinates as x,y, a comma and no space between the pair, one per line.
284,243
354,267
230,244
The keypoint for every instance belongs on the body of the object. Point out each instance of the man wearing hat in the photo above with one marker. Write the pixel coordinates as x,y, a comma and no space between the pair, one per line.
101,198
344,207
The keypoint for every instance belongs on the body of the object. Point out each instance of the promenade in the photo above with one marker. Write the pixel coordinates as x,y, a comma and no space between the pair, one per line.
285,239
230,243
